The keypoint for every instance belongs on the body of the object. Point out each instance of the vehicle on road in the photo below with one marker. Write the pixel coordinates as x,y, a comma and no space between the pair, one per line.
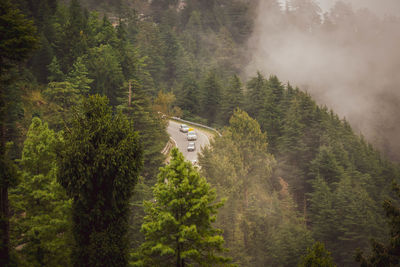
191,146
184,128
191,136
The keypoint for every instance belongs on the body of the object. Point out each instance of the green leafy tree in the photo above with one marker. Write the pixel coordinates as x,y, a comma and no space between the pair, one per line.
99,164
164,101
18,40
41,221
317,256
178,225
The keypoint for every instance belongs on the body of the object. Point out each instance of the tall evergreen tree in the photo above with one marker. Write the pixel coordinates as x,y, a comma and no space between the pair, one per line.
188,96
99,164
317,256
386,254
41,220
211,97
18,40
232,99
256,94
78,77
105,69
178,226
55,72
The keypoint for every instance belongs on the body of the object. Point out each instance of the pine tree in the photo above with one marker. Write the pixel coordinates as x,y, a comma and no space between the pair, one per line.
239,166
178,226
18,40
211,97
232,99
188,96
78,77
74,42
153,138
99,164
40,224
256,93
62,96
105,69
322,212
386,254
317,256
55,73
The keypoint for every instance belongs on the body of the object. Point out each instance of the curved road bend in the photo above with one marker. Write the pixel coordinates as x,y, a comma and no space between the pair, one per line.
182,142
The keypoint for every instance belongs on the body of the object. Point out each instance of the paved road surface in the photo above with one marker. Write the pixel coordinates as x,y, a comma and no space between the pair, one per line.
182,142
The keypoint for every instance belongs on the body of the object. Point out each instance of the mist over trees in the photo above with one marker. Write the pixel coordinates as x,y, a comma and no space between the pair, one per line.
86,91
346,56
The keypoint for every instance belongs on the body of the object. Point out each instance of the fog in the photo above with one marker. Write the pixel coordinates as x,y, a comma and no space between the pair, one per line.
345,55
379,7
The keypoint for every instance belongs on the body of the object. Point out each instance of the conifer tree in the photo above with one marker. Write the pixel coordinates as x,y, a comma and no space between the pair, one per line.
78,77
255,95
105,69
99,164
317,256
55,73
18,40
188,96
40,206
63,96
178,225
212,97
74,42
232,99
153,138
386,254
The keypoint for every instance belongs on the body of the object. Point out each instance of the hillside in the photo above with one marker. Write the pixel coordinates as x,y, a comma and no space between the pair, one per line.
83,130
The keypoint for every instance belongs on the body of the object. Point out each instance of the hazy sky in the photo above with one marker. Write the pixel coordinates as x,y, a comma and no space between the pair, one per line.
380,7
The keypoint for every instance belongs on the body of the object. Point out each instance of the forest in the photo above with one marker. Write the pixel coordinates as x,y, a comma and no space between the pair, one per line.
86,90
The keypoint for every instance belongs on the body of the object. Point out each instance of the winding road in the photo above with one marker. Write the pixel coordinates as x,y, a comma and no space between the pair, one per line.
182,142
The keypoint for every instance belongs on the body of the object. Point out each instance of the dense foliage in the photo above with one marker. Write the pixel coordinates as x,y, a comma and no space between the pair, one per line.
178,222
292,173
41,221
99,163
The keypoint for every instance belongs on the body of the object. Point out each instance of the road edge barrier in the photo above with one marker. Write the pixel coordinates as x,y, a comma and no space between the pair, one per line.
169,146
197,124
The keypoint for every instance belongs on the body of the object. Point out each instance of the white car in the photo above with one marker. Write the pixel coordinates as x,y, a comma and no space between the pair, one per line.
191,146
191,136
184,128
